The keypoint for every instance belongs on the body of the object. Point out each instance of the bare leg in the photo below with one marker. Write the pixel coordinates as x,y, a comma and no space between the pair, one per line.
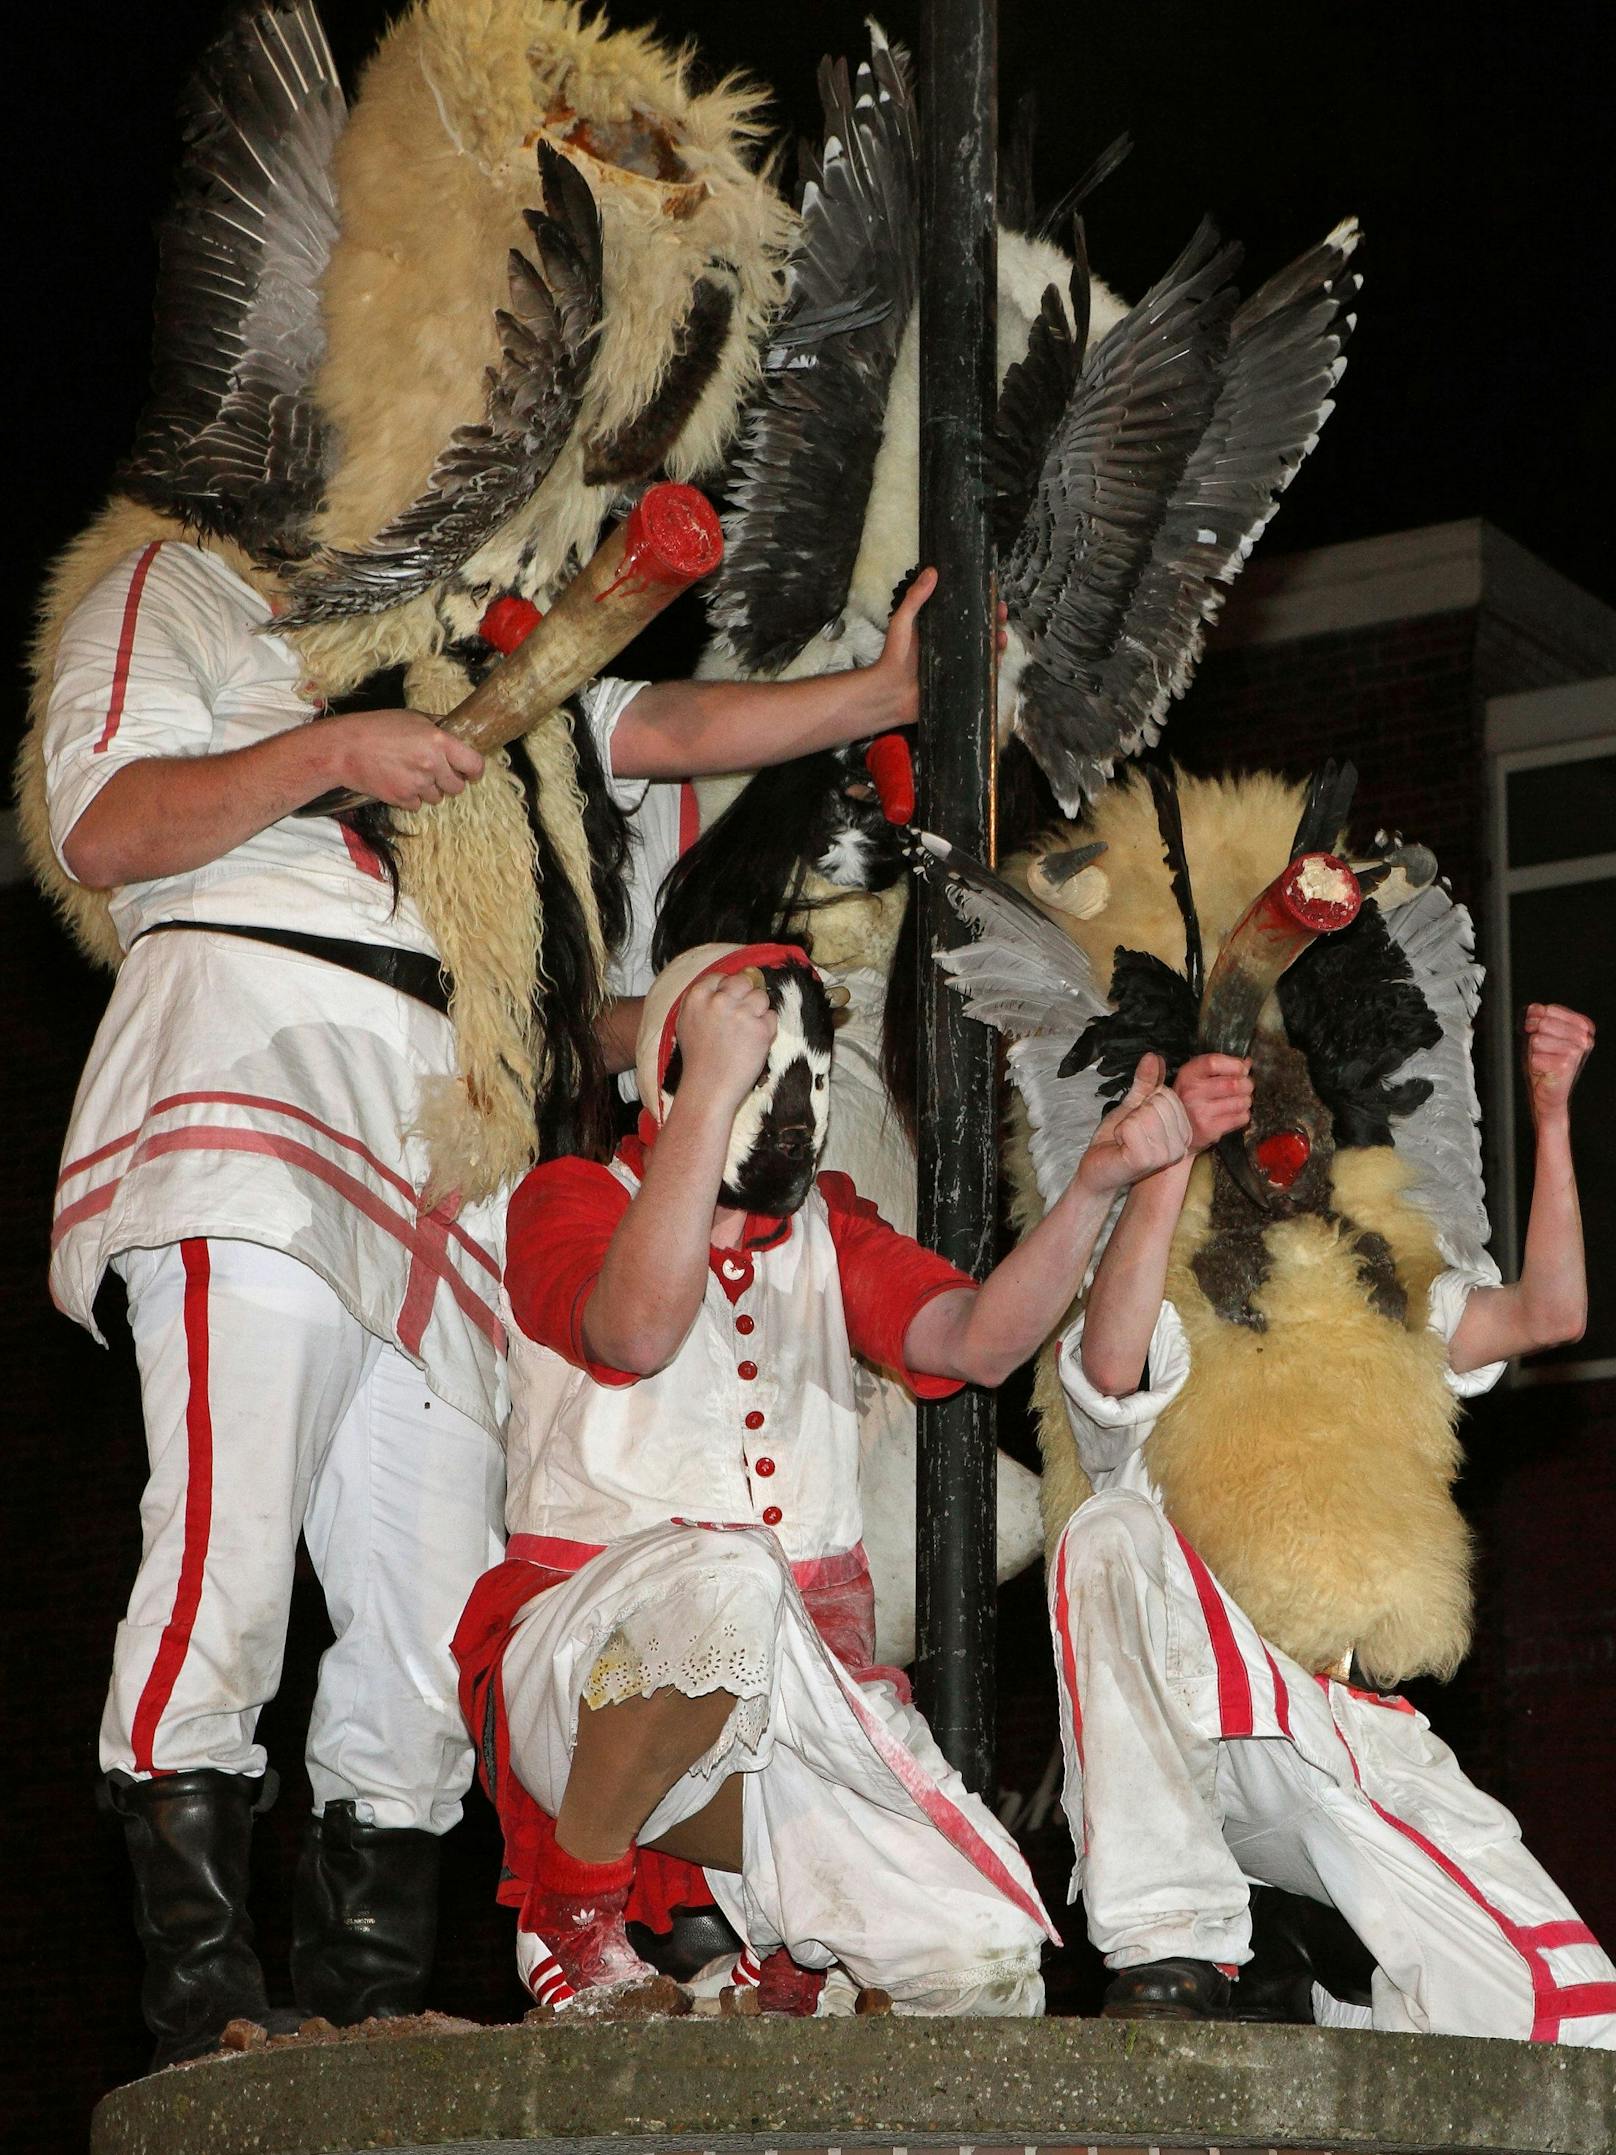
712,1837
625,1760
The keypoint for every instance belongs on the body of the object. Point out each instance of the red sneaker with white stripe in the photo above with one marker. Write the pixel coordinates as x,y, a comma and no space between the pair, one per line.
572,1950
774,1985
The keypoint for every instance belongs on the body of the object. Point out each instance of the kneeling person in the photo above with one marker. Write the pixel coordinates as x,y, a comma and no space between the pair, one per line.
677,1654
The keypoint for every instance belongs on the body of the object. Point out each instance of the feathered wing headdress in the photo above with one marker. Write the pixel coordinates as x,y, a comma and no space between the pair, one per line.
1135,457
408,360
1311,1458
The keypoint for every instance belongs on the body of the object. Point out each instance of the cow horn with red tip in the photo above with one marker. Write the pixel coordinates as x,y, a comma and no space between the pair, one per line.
1315,894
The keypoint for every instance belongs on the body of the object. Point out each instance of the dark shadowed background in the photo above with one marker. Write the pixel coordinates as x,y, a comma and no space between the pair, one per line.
1473,144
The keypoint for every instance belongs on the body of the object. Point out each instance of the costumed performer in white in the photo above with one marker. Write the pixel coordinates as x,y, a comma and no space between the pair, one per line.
677,1653
1200,1756
320,1345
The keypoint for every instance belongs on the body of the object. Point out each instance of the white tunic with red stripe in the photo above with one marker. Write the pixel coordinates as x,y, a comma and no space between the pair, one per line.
239,1091
1199,1756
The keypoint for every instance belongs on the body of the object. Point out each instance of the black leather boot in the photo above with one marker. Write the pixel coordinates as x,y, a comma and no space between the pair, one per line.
695,1937
190,1838
1296,1942
364,1919
1168,1990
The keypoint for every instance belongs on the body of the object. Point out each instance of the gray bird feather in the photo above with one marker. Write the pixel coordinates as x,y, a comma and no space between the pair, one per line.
1022,975
230,440
490,467
1135,527
1442,1137
799,482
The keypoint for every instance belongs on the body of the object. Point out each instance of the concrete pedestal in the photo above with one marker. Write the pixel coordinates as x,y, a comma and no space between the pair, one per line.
752,2085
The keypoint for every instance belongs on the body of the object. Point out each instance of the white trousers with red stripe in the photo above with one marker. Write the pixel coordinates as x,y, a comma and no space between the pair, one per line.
271,1411
1198,1758
860,1843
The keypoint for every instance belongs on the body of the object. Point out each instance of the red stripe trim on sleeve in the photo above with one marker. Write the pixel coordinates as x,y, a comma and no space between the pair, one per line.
1234,1683
126,644
689,817
175,1642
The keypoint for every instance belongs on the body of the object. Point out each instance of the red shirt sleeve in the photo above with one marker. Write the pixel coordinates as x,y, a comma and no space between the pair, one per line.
559,1225
887,1279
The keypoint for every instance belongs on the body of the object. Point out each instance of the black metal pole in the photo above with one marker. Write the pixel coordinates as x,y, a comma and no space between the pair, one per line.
957,1193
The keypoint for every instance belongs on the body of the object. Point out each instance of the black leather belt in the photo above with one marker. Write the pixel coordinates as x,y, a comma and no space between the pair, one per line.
411,972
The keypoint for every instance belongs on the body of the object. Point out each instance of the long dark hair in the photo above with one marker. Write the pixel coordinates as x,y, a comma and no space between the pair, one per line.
577,1110
743,882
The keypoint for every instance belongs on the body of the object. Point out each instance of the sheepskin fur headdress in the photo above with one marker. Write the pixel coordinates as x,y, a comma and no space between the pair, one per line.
1310,1456
425,194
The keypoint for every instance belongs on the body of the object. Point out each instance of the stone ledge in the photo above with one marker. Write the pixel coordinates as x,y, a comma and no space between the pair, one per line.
744,2085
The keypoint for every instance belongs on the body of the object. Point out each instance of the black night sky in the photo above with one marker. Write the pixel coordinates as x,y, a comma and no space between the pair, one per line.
1472,142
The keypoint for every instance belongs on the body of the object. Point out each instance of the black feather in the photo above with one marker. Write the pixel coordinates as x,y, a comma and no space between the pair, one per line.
1032,402
489,468
799,478
1351,1005
576,1112
637,449
1115,153
230,440
1164,785
1326,809
1153,1012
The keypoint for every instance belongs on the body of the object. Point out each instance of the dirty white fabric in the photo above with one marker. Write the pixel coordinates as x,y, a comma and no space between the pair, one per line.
1199,1756
237,1090
593,1462
867,1141
258,1105
860,1844
269,1412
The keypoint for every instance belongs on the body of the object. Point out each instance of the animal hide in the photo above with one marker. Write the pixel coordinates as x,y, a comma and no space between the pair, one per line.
434,171
1311,1463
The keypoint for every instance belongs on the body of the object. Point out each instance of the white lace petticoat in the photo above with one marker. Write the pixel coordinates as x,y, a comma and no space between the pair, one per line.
710,1631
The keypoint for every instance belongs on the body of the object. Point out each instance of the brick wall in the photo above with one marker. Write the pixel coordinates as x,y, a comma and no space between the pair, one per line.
1533,1712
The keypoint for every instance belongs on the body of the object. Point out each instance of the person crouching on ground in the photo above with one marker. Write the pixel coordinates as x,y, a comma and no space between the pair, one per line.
677,1653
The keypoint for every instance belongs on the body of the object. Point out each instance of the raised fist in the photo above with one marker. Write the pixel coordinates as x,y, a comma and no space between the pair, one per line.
1557,1044
1216,1092
1145,1132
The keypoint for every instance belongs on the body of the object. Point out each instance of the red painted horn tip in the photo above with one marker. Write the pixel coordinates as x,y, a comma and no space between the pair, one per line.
891,767
674,533
1322,892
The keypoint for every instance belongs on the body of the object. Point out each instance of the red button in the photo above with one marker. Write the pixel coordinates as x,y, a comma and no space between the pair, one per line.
754,1420
763,1466
746,1370
772,1515
746,1324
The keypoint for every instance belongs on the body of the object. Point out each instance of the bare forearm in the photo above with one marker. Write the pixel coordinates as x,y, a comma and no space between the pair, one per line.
983,1336
680,729
617,1029
655,1274
167,814
1126,1296
1548,1305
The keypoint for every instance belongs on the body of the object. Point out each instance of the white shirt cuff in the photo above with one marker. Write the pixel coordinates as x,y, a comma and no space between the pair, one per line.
1450,1291
604,701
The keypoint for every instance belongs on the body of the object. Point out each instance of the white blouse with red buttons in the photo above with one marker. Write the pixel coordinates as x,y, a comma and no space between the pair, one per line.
753,1422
